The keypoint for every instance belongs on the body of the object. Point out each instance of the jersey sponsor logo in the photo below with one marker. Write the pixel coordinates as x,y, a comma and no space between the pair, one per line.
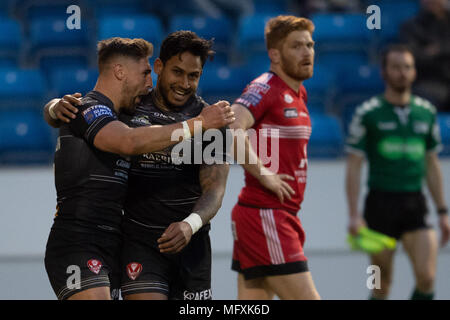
162,116
290,113
95,112
249,99
199,295
394,148
141,120
94,265
387,125
288,98
123,164
133,270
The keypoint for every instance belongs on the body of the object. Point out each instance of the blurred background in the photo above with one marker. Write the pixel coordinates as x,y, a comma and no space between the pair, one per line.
40,59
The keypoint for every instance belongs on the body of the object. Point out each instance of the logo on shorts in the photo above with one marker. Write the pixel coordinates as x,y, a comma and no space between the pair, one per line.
133,270
199,295
94,265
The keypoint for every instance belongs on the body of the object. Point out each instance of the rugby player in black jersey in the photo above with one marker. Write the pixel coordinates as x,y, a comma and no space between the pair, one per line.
91,171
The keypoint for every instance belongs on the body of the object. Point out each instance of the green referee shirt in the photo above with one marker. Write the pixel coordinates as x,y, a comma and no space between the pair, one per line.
395,140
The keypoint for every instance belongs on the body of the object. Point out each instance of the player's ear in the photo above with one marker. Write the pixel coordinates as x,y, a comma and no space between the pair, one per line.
274,55
119,71
158,65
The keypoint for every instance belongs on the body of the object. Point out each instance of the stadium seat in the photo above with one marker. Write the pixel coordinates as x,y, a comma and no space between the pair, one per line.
256,65
393,15
341,32
273,7
51,31
71,80
326,138
444,123
206,27
10,41
21,88
147,27
320,87
250,34
49,64
220,82
25,138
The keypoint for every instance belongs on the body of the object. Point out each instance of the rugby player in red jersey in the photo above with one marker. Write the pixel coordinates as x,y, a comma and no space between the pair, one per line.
268,236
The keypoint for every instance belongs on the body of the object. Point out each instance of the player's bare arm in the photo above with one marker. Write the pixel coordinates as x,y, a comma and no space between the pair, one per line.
436,187
352,184
272,181
117,137
213,180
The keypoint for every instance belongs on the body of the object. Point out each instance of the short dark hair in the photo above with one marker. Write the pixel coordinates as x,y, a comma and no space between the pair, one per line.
181,41
113,47
396,47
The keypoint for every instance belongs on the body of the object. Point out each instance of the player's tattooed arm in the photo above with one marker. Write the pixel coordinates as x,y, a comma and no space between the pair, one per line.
213,179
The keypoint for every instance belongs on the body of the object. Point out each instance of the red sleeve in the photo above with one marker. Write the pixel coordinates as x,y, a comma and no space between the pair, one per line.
256,99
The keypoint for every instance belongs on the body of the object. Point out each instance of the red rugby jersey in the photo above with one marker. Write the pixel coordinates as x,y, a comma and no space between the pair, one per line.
281,117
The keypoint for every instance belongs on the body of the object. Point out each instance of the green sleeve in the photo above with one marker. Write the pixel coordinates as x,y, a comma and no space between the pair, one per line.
433,141
357,133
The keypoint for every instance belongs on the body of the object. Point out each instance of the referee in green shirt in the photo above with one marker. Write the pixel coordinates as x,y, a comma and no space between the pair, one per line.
398,134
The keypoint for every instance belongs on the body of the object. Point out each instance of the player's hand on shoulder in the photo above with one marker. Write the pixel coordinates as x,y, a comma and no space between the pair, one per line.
277,184
175,237
217,115
65,109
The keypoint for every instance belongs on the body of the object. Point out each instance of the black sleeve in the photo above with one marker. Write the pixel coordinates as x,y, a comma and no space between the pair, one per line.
90,120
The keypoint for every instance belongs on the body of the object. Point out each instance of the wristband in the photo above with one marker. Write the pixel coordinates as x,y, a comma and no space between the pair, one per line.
442,211
51,112
194,221
186,130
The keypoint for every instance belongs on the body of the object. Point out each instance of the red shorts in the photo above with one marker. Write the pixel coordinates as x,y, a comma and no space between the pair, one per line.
267,242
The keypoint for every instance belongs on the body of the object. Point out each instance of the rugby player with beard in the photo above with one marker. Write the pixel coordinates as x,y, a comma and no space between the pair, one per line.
268,236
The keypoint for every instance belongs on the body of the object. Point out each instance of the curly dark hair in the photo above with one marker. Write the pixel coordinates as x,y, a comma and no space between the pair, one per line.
181,41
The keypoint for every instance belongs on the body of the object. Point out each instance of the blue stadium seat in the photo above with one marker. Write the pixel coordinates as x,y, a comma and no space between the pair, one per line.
206,27
326,138
337,62
250,35
71,80
393,15
345,31
320,86
21,88
52,32
356,84
256,65
49,64
148,27
10,40
220,82
444,123
273,7
25,138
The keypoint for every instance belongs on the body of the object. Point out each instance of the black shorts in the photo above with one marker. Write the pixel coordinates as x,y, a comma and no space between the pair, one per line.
182,276
394,213
83,259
